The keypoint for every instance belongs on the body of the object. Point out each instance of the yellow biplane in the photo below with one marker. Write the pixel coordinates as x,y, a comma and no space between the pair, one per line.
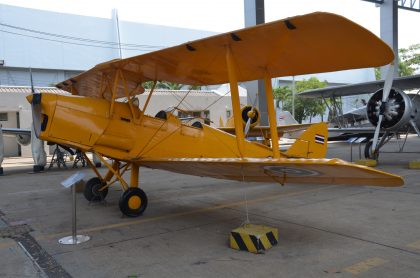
94,119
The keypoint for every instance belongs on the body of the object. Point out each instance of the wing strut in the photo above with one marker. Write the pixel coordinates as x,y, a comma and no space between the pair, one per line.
234,93
271,116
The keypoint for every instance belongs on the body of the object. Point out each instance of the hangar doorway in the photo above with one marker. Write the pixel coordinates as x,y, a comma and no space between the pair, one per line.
10,119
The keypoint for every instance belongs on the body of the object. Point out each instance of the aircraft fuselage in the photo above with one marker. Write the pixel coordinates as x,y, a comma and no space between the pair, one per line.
91,124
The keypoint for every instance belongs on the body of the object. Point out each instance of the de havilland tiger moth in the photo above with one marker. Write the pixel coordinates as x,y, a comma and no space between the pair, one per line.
94,119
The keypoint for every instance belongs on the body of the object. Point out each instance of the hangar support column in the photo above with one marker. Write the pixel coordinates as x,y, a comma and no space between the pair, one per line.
254,14
389,30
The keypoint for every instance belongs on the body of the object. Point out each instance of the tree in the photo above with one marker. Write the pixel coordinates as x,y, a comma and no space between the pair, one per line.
281,94
168,85
306,107
408,61
148,85
378,73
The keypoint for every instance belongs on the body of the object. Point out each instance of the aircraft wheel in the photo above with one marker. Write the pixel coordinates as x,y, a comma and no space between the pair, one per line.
133,202
368,151
92,193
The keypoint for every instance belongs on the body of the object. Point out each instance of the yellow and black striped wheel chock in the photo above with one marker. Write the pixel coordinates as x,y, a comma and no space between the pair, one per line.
415,164
253,238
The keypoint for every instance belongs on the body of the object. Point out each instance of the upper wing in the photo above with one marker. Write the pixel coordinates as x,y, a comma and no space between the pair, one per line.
289,170
312,43
265,130
403,83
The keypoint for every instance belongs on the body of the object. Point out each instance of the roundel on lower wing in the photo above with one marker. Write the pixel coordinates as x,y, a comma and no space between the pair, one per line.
291,171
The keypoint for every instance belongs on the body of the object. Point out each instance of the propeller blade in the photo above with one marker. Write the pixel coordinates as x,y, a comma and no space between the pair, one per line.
250,118
248,123
36,108
376,135
32,81
247,126
36,113
388,83
385,95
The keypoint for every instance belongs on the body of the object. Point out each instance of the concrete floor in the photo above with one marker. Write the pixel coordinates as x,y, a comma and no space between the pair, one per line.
324,231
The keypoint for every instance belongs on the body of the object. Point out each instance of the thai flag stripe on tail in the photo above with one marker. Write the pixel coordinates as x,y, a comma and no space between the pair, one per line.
320,139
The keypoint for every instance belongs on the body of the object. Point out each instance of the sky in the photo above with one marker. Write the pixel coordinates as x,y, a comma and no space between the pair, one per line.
224,15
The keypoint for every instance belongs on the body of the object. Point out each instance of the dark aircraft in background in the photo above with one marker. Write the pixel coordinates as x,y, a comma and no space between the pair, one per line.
398,113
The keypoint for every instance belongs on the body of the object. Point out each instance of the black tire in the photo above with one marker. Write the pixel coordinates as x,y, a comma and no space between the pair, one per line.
92,193
133,202
368,151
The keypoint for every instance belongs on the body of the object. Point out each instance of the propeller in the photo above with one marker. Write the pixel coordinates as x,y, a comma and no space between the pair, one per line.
36,108
251,115
382,105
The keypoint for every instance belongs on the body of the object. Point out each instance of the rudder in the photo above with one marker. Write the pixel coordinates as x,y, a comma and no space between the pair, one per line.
311,144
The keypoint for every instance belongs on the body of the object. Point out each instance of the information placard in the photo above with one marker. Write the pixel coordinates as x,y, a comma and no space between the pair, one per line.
73,179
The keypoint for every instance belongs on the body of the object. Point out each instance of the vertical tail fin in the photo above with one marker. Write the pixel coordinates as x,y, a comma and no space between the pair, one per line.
221,124
311,144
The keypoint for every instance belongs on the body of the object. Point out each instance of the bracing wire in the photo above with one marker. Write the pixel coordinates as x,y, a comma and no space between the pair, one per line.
81,39
217,100
246,200
73,43
182,99
214,102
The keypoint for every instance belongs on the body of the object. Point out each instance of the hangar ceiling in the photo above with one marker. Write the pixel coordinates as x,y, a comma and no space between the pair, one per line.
411,5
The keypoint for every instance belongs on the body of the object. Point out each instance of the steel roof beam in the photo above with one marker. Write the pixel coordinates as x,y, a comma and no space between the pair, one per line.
411,5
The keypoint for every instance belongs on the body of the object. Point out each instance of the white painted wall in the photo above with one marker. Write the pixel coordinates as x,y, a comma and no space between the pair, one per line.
23,52
12,103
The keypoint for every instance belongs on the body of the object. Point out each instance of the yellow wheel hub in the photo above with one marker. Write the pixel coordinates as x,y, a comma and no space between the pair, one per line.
134,202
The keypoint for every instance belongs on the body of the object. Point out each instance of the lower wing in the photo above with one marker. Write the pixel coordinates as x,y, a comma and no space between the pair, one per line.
281,170
264,131
16,131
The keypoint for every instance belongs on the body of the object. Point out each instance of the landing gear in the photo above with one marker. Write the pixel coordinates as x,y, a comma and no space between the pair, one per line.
133,202
369,154
94,190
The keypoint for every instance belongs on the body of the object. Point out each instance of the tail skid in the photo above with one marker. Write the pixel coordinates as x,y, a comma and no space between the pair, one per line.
311,144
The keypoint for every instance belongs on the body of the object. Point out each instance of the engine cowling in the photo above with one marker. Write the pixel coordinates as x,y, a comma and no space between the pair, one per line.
397,111
250,112
23,139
